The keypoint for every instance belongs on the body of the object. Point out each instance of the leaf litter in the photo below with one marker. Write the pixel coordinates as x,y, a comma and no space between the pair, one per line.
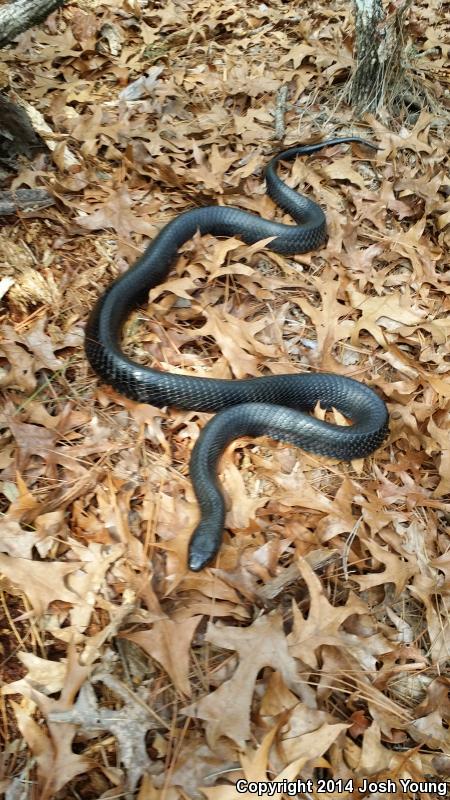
319,645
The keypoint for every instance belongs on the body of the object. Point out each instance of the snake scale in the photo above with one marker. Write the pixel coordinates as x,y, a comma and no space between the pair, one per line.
278,406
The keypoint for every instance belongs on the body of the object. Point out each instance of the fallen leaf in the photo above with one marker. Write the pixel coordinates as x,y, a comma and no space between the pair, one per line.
323,623
41,582
227,709
168,642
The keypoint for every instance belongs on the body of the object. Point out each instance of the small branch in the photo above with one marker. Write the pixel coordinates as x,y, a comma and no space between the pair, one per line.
280,110
23,139
23,14
42,128
24,200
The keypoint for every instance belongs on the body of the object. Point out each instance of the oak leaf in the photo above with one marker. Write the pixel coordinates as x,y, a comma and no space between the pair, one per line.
262,644
324,621
397,570
169,642
116,213
41,582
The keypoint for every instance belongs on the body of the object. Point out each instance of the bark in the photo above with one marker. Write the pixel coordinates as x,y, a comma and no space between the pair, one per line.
20,15
367,86
379,74
18,134
24,200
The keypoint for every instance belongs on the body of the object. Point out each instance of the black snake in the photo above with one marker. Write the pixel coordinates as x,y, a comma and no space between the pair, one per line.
278,406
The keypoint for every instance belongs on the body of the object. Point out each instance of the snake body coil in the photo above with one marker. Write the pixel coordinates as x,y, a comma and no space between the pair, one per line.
277,405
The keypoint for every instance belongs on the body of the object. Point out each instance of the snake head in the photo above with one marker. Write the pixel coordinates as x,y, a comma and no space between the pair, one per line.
203,547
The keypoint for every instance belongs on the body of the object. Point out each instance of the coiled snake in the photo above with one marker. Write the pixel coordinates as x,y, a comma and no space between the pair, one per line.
278,406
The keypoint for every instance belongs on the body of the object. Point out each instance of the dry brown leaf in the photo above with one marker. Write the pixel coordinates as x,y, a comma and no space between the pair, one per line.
41,345
32,440
18,542
169,642
243,505
438,629
323,623
116,213
57,763
389,313
342,170
277,697
397,570
44,675
327,319
227,709
40,582
442,437
236,340
21,371
129,724
309,746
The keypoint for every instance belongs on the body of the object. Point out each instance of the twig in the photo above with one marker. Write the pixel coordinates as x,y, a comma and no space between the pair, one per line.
43,129
25,200
280,110
23,14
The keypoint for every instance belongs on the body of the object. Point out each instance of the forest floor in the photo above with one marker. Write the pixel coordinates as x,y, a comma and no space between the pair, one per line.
317,646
